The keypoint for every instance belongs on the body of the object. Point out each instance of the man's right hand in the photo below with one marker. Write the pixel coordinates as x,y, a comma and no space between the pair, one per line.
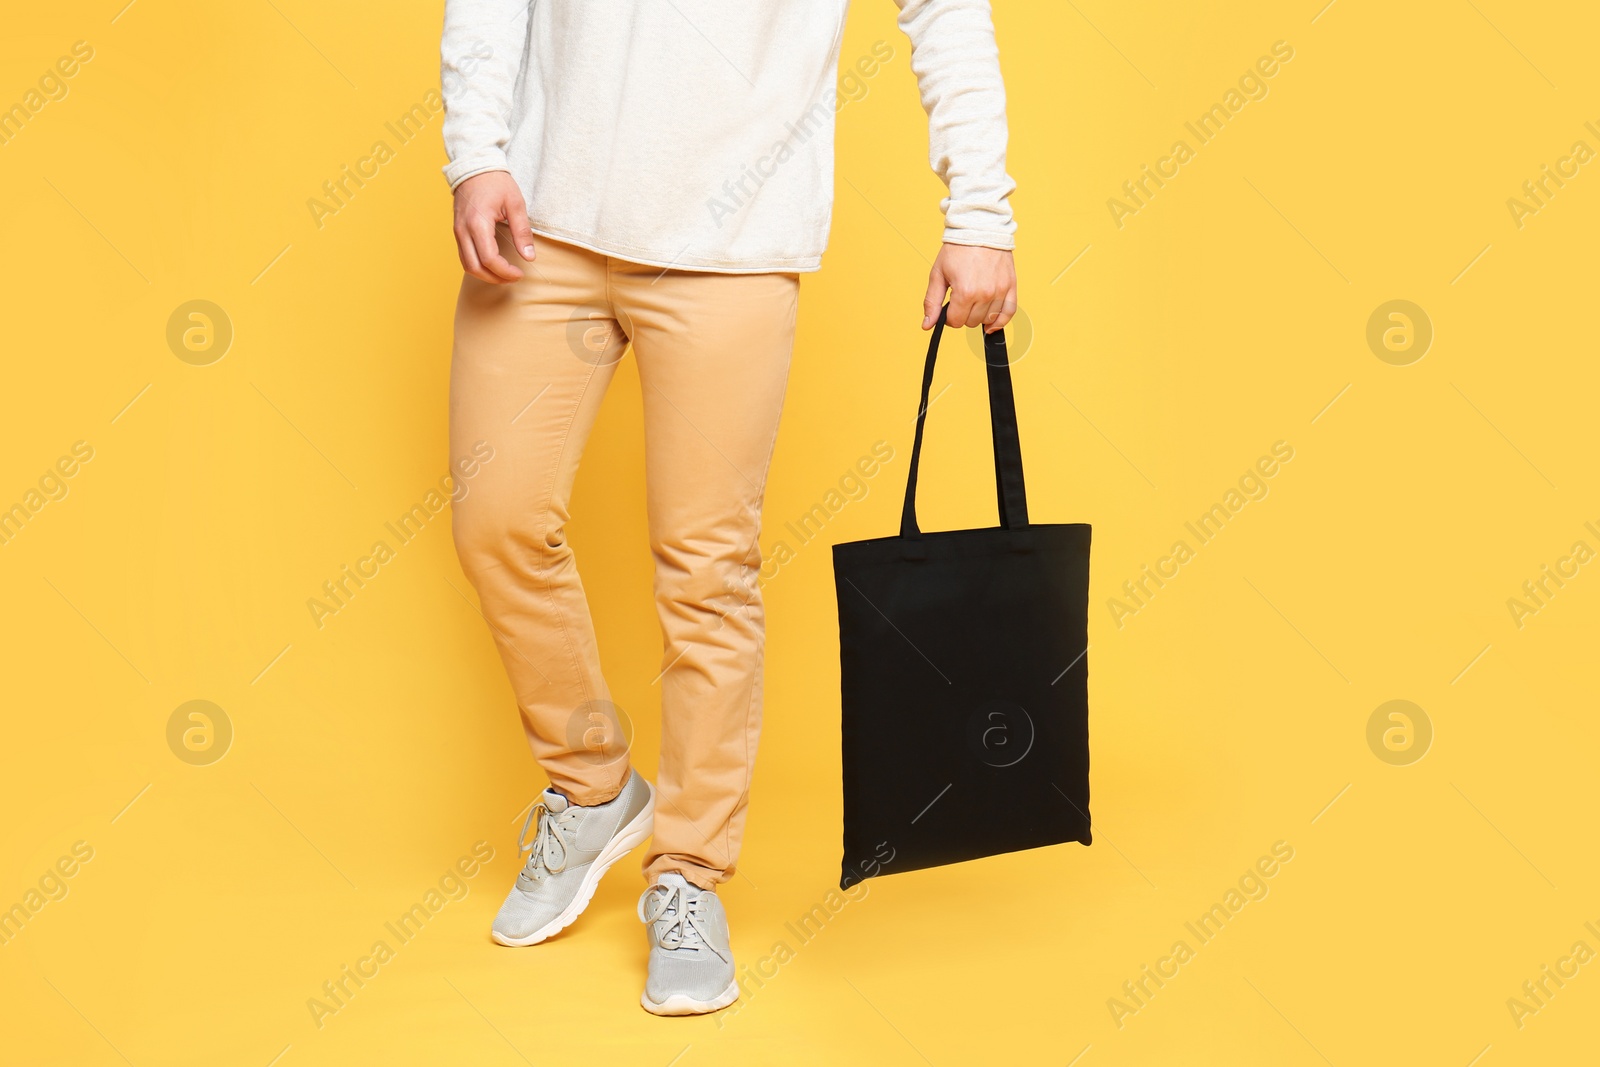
482,201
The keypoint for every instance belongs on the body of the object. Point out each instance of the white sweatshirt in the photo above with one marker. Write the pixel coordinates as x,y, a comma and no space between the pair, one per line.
698,134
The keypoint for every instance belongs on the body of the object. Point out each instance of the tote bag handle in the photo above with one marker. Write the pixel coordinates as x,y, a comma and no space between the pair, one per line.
1009,491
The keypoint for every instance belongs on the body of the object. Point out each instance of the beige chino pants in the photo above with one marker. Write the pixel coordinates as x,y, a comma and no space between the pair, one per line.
532,361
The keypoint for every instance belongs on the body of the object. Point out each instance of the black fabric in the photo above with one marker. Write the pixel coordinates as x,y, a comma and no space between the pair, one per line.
964,673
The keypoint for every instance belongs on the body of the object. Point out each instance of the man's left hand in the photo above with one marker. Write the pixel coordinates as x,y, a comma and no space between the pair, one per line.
982,283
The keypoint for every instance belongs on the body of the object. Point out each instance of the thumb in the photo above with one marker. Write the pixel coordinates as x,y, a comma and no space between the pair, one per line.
935,298
517,220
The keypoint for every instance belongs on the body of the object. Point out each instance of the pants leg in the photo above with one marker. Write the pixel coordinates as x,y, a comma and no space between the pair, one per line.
532,360
713,355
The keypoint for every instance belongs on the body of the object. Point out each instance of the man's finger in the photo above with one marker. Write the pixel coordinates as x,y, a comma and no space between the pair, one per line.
469,255
989,313
1008,310
483,239
960,313
977,309
521,232
934,300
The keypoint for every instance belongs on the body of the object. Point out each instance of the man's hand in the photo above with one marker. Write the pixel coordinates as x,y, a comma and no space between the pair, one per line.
481,201
982,284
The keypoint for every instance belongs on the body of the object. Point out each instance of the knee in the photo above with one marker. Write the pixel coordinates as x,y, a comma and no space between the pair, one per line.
490,538
708,578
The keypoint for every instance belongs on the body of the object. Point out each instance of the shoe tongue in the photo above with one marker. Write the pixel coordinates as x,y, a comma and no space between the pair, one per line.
554,801
673,878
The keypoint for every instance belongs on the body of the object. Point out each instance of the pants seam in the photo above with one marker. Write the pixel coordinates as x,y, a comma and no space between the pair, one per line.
761,636
544,571
608,295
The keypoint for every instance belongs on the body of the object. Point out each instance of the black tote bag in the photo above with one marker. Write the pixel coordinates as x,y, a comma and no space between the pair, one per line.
964,673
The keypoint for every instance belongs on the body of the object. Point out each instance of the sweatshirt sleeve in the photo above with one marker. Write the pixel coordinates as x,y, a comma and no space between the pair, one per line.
957,64
481,54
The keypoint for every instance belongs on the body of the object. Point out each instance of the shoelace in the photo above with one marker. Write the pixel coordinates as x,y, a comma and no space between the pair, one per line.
547,852
682,914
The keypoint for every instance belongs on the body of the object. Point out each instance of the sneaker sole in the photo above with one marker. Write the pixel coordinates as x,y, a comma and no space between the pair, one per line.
627,839
683,1004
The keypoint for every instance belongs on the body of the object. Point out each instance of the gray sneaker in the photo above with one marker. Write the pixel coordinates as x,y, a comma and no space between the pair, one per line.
691,965
571,850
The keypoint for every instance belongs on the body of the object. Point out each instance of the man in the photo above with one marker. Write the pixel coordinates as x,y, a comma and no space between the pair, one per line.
675,159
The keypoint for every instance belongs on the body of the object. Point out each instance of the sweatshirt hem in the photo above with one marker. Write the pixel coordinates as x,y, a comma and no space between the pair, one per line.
651,258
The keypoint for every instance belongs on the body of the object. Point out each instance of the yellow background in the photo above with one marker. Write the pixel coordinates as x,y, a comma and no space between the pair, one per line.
1228,714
